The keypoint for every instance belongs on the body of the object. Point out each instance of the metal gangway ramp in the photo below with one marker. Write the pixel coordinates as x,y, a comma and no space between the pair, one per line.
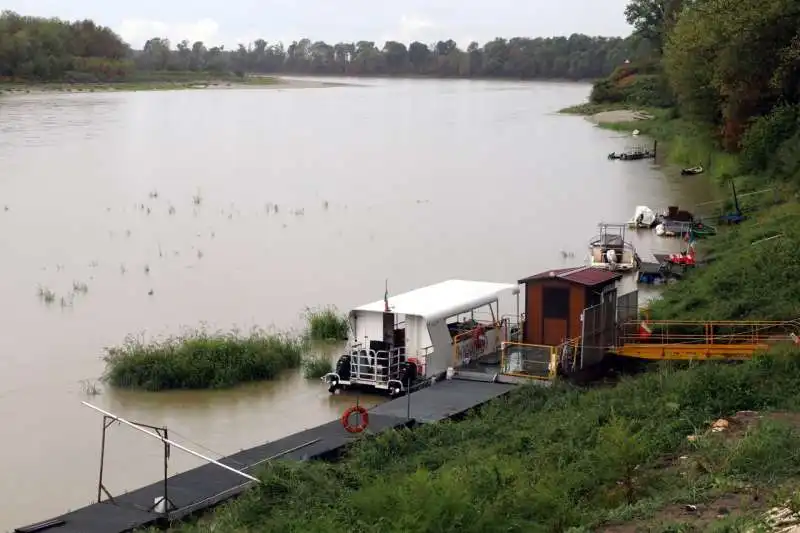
702,340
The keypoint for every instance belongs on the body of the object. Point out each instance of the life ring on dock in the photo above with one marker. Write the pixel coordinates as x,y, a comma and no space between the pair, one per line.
359,427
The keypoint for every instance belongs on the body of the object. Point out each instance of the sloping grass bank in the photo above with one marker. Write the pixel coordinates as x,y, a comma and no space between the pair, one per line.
548,460
144,81
752,273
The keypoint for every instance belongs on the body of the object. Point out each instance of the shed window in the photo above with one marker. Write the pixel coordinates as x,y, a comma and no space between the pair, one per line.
555,302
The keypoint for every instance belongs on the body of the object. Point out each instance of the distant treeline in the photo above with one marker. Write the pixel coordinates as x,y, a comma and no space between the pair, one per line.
33,48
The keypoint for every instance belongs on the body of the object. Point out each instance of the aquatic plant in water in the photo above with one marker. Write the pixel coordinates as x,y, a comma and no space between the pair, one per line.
326,323
80,287
46,295
201,360
316,366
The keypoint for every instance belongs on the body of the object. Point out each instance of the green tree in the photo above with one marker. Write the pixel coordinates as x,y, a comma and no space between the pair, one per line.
653,19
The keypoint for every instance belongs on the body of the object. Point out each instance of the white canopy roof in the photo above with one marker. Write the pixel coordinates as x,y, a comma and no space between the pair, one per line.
443,299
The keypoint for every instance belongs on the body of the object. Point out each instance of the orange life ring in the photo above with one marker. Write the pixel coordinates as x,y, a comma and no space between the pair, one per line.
364,419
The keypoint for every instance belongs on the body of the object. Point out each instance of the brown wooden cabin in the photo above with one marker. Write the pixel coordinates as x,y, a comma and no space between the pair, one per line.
556,299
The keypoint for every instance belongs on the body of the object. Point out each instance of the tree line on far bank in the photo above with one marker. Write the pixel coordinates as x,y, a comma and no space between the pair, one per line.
48,49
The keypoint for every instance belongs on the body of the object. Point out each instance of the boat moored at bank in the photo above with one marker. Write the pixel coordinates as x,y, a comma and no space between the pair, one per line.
609,250
419,335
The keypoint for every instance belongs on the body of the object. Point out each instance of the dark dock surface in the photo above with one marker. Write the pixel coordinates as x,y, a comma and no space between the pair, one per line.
444,400
207,485
203,487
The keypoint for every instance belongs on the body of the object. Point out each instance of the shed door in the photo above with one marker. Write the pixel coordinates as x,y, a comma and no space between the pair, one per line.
555,315
555,331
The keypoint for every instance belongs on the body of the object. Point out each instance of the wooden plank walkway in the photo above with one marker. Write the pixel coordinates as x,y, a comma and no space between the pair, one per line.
203,487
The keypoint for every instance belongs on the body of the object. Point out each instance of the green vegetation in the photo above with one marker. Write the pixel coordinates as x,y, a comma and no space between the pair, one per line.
731,73
316,366
546,460
326,324
722,85
201,360
36,49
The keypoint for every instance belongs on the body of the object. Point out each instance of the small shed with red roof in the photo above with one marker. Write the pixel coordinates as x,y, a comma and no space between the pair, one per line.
555,301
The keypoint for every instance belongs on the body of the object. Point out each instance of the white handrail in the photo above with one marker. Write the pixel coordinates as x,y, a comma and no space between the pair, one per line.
171,443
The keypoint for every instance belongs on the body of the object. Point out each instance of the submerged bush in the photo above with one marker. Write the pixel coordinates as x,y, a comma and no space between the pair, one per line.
326,323
541,459
201,360
316,366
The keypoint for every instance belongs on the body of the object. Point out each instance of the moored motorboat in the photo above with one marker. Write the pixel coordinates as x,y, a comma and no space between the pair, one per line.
692,171
610,250
643,218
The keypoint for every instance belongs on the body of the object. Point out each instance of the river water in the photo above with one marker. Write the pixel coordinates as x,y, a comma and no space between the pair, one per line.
410,181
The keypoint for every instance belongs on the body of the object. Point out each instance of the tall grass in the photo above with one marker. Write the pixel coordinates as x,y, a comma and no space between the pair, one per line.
545,460
326,323
201,360
316,366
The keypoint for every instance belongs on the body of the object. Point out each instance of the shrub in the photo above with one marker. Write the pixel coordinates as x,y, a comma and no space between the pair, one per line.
200,360
326,323
316,366
765,134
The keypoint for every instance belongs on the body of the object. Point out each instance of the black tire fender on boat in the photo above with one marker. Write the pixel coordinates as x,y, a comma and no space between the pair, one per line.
408,374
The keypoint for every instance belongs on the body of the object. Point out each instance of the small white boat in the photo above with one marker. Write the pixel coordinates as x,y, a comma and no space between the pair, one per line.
610,250
643,217
421,334
635,133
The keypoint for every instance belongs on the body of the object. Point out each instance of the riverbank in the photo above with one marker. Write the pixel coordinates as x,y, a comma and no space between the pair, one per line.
748,277
642,454
673,449
254,82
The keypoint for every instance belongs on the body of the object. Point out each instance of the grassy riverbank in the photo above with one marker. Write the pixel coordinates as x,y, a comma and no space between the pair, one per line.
201,360
156,81
753,270
560,459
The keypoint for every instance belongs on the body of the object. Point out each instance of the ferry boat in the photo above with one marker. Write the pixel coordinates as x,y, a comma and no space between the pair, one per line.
610,250
422,335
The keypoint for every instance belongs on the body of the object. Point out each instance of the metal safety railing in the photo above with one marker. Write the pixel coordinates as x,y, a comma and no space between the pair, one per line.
373,366
714,332
533,361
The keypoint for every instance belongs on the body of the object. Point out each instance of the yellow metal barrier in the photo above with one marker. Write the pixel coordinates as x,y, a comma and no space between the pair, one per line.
685,340
532,361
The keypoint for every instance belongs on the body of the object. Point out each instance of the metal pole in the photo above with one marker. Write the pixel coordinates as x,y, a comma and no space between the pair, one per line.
167,504
167,441
102,457
408,402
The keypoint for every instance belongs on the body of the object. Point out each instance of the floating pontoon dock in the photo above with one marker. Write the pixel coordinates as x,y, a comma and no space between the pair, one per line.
201,488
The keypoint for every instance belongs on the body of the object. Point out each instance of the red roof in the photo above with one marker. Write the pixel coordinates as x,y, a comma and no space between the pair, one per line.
586,276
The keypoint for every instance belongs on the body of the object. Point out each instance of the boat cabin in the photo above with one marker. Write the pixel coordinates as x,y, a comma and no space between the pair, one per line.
420,334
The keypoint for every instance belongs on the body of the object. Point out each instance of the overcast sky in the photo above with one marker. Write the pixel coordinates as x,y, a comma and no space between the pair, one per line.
233,21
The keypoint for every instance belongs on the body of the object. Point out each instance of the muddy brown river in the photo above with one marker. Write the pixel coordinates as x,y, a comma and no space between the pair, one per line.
410,181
